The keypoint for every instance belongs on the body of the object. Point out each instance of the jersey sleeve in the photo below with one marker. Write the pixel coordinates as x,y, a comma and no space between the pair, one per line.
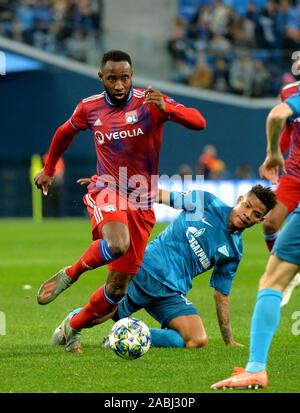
188,117
294,104
62,138
187,200
223,276
79,118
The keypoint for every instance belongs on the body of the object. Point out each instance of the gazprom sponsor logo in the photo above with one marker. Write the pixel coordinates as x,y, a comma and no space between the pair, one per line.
192,233
123,134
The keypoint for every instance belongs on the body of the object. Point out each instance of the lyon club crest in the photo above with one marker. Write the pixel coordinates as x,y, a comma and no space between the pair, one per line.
131,117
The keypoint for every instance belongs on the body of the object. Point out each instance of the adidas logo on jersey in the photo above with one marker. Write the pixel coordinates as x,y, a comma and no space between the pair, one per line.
223,250
98,122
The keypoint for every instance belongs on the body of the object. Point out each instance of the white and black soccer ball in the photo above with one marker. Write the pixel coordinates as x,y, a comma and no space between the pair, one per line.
130,338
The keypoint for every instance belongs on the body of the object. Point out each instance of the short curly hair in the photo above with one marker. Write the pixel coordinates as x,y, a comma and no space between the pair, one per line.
116,56
265,195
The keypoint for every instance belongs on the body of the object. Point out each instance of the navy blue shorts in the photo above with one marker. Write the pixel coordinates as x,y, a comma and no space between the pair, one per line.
157,299
287,245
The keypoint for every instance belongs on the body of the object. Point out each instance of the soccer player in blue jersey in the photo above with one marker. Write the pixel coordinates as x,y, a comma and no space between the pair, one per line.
282,265
208,236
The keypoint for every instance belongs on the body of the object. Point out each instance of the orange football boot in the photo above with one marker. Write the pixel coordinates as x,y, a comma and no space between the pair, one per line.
242,379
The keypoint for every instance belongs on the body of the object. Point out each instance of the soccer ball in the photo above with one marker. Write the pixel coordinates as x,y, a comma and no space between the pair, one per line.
130,338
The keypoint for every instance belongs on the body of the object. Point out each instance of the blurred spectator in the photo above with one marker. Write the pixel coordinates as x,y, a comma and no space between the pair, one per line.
76,45
198,29
218,170
260,80
242,32
289,18
209,165
244,171
219,46
202,75
177,46
185,170
266,34
206,160
25,14
240,75
221,76
219,18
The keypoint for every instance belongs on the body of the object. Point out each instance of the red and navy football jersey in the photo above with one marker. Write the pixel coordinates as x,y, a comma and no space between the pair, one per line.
128,137
291,133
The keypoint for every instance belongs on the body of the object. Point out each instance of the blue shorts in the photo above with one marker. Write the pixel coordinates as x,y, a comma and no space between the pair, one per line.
157,299
287,245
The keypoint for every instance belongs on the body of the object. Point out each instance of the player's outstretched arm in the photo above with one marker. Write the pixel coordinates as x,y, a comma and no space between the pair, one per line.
60,142
274,160
223,312
174,199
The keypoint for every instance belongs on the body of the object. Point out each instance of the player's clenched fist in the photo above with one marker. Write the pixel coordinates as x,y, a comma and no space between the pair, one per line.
43,181
154,96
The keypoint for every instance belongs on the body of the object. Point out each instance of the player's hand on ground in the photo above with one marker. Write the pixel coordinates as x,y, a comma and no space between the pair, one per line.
233,343
156,98
84,181
43,181
270,168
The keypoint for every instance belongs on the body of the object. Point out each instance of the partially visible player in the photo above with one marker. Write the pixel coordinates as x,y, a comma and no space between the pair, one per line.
288,189
191,245
282,266
127,125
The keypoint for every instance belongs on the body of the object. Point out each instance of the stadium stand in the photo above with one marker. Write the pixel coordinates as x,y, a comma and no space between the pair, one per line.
230,46
241,47
67,28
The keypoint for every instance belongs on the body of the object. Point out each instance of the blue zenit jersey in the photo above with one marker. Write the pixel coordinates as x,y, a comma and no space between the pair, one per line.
190,247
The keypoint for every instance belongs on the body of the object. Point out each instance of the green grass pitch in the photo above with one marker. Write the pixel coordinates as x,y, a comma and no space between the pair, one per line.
30,253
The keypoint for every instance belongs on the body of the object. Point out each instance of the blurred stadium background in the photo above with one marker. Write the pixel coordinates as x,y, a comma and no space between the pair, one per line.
228,58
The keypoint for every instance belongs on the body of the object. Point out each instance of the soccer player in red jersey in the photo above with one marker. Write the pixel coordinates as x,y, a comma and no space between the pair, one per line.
288,189
127,125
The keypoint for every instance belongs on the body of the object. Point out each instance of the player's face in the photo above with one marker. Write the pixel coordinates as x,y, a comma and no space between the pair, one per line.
117,80
248,211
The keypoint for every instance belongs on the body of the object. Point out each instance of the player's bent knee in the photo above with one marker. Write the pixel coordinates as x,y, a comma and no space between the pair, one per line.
196,342
117,297
118,248
270,226
116,292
